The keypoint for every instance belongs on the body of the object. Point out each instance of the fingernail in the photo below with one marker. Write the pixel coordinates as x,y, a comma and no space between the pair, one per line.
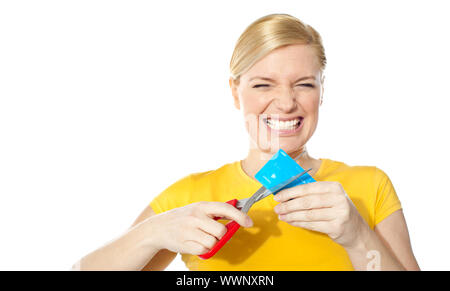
248,222
276,209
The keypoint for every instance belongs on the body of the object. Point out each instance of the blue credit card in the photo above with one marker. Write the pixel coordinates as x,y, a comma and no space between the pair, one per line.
279,169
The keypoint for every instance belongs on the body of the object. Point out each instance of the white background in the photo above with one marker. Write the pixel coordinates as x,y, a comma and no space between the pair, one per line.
104,104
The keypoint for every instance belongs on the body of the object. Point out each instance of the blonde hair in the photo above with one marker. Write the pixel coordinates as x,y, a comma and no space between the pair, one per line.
268,33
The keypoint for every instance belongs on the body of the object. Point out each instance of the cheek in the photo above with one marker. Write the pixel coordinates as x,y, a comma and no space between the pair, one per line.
310,107
252,106
251,103
310,104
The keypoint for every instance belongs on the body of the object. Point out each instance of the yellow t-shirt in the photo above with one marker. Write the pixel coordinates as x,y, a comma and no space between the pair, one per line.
272,244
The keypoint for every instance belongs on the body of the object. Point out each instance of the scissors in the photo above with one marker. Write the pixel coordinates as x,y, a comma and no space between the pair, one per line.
244,205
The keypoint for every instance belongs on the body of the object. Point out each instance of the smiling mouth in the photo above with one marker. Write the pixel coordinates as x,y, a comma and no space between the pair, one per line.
285,124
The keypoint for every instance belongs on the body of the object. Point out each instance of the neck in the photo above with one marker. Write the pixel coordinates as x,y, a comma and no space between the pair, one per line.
256,159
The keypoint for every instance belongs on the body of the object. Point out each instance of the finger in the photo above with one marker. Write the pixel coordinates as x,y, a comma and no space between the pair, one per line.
203,238
320,226
194,248
228,211
323,214
212,227
306,189
306,202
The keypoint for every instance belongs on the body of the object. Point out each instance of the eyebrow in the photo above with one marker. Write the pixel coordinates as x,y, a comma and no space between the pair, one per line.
269,79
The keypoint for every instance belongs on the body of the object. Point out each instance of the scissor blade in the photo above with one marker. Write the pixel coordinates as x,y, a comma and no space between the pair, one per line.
248,202
292,179
284,184
263,192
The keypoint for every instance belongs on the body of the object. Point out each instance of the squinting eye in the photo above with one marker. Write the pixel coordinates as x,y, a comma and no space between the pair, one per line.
307,85
260,85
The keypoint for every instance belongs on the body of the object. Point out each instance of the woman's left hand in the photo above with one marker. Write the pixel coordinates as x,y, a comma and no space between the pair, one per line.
323,207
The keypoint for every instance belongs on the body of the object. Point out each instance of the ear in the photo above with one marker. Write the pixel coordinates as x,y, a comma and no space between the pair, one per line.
233,88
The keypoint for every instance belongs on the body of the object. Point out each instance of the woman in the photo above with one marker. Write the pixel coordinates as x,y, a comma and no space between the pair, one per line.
350,219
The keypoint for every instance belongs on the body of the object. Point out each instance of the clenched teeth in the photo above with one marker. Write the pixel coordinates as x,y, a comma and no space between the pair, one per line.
283,125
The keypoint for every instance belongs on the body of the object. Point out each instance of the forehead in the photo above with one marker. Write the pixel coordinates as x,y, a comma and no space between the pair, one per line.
289,62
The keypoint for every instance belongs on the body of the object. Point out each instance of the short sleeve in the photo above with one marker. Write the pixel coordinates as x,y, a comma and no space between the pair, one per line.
387,201
176,195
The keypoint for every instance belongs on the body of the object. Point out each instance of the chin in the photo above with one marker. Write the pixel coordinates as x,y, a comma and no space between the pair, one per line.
291,147
287,146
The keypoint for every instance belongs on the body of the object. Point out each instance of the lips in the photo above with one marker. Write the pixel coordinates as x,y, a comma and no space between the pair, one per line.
284,118
284,124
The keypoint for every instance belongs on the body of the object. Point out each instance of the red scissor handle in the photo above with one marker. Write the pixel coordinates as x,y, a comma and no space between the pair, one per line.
231,226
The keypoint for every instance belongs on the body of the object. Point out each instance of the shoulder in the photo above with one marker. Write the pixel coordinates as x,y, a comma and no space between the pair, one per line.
214,176
368,187
334,167
367,176
188,181
190,188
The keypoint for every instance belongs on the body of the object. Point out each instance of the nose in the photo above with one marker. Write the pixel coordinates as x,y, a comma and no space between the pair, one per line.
285,100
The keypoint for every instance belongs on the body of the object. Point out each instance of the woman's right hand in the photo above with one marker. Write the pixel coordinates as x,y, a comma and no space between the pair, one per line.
192,229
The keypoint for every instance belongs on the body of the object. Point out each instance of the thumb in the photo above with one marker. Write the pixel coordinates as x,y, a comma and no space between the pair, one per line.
230,212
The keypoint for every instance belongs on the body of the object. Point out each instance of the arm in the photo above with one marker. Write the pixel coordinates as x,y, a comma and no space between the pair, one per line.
162,258
387,247
153,241
325,207
393,231
131,251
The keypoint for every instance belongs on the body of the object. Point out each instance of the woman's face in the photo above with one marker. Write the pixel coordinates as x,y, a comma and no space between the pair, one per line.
280,98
